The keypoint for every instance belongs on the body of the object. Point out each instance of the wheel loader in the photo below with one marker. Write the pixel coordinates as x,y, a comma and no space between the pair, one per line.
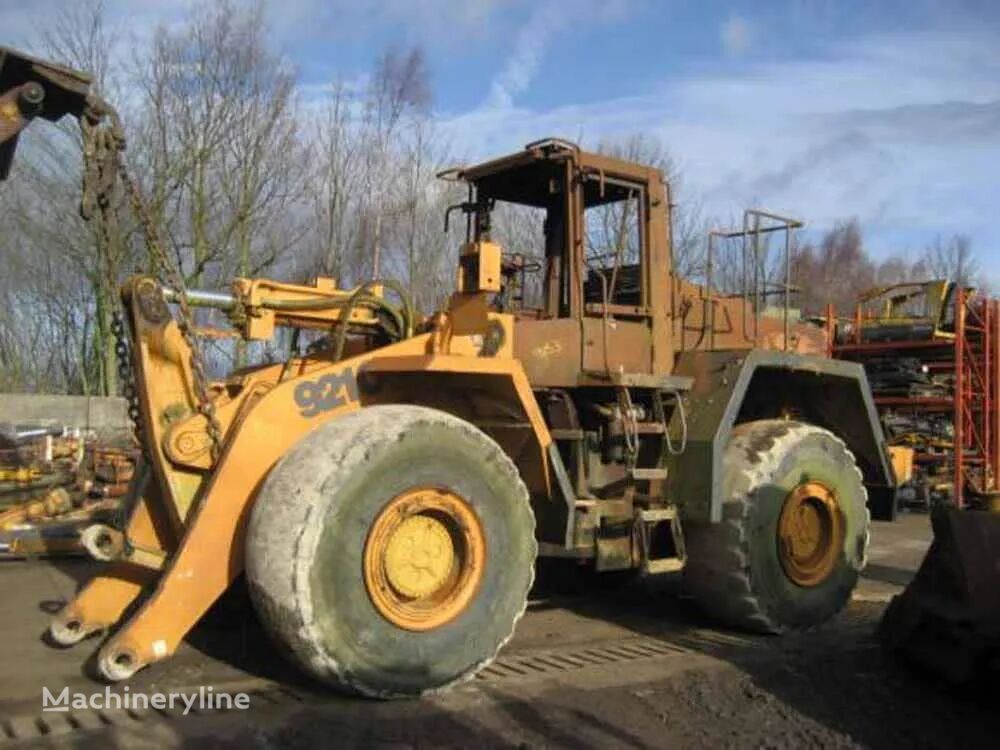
387,490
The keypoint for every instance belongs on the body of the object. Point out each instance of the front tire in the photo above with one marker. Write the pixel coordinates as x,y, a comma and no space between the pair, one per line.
390,553
794,532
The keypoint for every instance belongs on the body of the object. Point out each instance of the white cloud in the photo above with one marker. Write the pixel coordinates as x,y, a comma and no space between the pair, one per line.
531,42
736,35
889,128
522,65
444,22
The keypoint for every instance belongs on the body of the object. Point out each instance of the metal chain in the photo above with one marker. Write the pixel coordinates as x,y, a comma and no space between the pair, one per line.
185,322
103,164
126,375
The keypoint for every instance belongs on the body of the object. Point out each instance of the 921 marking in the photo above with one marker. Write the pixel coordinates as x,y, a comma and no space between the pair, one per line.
325,393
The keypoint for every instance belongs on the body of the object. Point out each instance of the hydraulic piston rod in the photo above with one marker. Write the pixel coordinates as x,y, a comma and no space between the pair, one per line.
203,298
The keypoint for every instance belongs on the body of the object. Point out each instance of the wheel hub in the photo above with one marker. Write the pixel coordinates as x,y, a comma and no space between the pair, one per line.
418,556
424,558
810,533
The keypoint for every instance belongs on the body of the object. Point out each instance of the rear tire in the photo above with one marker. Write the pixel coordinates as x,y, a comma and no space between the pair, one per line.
324,514
737,569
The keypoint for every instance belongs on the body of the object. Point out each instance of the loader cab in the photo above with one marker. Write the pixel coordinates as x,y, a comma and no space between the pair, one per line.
586,259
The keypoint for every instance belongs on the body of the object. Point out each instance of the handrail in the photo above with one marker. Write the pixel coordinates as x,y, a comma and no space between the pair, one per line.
755,296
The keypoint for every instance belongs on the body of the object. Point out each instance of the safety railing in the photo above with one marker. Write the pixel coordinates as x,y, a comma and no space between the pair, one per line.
754,282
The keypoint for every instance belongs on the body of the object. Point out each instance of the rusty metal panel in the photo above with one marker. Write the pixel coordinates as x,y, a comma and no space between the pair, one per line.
549,350
710,322
802,338
556,353
616,346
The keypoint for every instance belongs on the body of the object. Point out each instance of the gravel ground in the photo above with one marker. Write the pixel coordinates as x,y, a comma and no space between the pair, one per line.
613,668
830,688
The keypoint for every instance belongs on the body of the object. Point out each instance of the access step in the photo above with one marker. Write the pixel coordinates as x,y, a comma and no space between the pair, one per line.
661,541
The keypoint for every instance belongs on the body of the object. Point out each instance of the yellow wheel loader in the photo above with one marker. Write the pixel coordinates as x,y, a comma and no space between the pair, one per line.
387,491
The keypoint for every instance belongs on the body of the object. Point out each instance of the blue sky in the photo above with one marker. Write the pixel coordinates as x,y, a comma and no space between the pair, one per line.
888,111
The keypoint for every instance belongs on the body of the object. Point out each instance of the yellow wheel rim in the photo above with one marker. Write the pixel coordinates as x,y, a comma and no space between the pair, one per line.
810,533
424,558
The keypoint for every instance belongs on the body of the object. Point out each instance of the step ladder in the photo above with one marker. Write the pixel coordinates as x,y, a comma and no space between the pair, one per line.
661,541
658,425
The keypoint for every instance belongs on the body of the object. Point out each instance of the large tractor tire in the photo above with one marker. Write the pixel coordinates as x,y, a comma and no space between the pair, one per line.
794,531
390,553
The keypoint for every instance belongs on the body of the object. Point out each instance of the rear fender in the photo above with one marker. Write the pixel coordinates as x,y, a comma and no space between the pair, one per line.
731,387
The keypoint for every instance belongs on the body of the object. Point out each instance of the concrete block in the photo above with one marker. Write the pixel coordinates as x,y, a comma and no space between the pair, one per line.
108,417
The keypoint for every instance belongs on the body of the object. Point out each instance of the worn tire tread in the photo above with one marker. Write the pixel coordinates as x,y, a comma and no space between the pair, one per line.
279,581
718,570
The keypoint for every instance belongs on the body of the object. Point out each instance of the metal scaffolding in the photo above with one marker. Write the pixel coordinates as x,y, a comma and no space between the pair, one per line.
971,356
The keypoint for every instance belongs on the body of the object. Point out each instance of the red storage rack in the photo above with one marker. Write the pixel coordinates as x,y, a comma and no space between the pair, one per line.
972,357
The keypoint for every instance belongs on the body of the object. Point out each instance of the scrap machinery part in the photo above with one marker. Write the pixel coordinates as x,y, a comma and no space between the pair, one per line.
932,353
916,310
31,88
947,620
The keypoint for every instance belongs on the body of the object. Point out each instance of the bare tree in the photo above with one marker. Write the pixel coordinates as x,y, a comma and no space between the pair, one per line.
428,254
64,259
952,260
836,271
214,141
399,89
337,183
225,163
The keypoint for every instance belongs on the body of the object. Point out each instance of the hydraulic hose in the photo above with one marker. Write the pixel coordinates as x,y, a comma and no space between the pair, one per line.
403,318
362,293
